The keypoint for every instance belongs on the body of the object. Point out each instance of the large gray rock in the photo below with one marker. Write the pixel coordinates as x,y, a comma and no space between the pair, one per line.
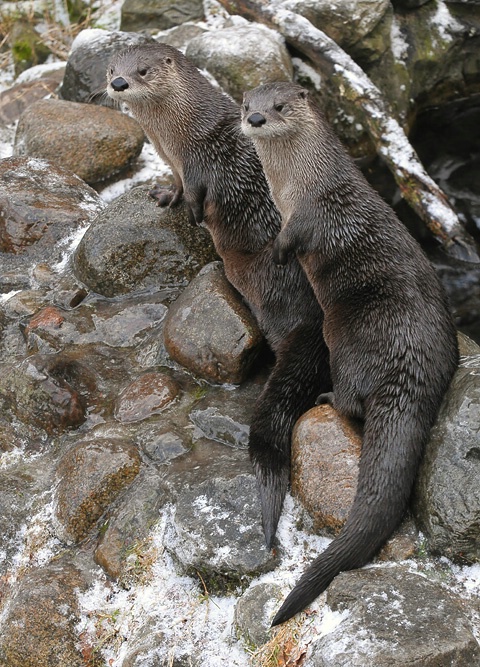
210,331
217,531
136,245
90,53
152,14
107,143
242,57
394,618
447,503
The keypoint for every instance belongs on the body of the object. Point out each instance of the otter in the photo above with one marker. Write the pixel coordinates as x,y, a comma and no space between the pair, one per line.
196,129
387,325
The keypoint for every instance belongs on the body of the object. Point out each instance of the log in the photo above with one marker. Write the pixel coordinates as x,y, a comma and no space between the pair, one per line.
416,186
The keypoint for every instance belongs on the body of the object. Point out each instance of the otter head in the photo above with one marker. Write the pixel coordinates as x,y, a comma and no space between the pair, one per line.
274,111
142,73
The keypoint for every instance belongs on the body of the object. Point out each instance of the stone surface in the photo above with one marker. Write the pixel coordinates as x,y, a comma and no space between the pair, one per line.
107,143
255,610
395,618
135,245
41,204
217,530
124,539
91,476
39,629
16,99
447,498
210,331
146,396
325,453
37,397
241,58
152,14
87,63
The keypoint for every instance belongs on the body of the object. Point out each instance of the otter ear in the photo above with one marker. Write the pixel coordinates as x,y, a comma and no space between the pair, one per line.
303,94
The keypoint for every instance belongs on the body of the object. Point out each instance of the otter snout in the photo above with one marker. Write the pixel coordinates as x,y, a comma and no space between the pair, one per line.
119,84
256,119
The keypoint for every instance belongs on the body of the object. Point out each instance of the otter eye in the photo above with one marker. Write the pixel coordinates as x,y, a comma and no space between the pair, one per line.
245,106
111,71
278,107
168,60
143,71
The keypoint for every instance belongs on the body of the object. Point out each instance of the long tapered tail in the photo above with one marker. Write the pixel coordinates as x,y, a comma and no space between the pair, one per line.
301,372
392,447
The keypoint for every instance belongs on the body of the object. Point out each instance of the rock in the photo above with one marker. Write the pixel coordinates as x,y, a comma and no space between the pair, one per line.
135,245
39,628
107,143
241,58
16,99
393,617
224,415
39,398
217,531
27,47
179,36
125,539
40,205
147,395
91,476
210,331
119,324
162,445
346,21
447,497
151,14
255,610
90,53
325,453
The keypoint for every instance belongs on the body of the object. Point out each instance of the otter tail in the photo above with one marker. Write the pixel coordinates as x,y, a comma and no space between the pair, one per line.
394,439
299,375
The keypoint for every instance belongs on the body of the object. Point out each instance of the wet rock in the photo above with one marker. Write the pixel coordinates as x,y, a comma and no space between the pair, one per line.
39,628
217,531
210,331
125,538
90,53
242,57
447,498
107,143
224,415
394,617
255,610
148,395
41,204
325,453
135,245
145,14
16,99
37,397
119,324
91,476
161,446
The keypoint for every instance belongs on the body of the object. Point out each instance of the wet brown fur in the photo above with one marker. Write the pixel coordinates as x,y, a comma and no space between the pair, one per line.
196,129
392,341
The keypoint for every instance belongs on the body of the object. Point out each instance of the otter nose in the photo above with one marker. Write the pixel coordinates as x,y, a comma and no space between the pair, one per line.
256,119
119,84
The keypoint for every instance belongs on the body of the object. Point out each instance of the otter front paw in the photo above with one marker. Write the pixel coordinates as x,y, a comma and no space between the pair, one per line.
165,196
